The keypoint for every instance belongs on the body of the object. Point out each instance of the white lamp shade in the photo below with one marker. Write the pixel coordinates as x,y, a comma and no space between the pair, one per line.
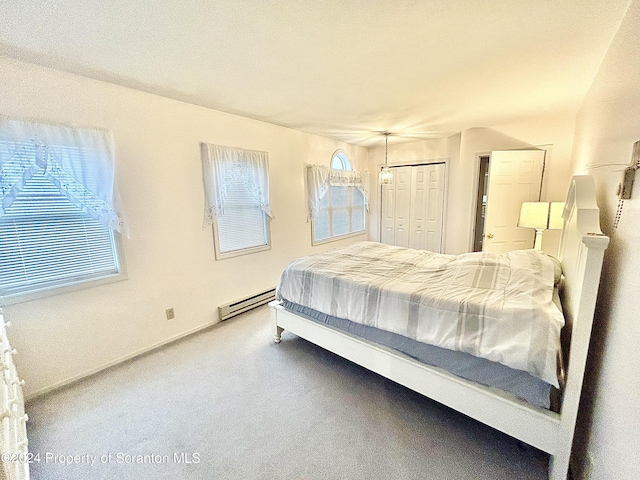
534,215
541,215
555,216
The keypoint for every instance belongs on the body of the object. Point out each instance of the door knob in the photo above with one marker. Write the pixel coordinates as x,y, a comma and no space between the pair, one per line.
490,235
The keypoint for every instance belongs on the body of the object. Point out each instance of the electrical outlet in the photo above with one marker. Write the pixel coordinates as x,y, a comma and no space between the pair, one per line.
170,314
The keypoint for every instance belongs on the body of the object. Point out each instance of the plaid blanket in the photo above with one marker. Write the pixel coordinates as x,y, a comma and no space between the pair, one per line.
494,306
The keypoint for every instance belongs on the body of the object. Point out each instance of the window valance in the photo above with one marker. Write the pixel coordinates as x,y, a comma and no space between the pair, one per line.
78,161
223,166
320,178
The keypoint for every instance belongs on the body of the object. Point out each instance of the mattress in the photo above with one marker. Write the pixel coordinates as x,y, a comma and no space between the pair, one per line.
498,307
492,374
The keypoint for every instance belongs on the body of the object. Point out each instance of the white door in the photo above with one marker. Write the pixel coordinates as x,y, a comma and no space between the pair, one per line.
427,201
435,207
402,181
419,197
388,215
514,177
396,205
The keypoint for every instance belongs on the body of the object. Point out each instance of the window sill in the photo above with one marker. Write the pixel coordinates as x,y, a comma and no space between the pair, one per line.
338,238
244,251
44,292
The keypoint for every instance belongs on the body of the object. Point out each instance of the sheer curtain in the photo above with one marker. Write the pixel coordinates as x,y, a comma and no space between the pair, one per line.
320,178
78,161
224,166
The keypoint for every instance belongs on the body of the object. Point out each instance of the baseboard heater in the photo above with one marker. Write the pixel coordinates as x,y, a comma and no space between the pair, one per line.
245,304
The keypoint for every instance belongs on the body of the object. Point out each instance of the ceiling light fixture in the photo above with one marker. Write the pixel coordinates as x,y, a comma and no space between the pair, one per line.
385,176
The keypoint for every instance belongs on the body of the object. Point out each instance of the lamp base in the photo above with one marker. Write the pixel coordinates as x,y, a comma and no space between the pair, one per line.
538,244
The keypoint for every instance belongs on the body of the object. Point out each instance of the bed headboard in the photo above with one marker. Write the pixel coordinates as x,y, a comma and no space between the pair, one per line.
581,252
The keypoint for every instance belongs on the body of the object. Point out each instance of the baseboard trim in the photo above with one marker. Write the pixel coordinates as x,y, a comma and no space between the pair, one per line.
70,381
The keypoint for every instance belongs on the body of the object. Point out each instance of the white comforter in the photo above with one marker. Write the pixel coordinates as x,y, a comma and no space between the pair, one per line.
497,307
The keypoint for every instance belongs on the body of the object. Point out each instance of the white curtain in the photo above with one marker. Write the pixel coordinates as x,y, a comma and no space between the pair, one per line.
224,166
79,161
320,178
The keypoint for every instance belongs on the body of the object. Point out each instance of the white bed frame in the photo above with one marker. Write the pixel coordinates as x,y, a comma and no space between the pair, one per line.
581,252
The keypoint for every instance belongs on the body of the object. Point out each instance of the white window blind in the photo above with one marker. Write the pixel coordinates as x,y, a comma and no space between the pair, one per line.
243,224
46,241
236,188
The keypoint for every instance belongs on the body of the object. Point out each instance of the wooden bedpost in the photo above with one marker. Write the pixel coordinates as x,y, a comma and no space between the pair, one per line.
277,331
581,253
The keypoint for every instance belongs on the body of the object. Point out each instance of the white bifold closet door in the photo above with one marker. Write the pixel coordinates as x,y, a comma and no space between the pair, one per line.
412,207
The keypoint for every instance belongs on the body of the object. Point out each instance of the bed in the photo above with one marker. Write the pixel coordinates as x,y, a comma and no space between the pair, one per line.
473,316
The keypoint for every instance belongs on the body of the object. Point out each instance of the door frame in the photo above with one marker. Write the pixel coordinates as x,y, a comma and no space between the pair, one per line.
478,211
474,205
417,163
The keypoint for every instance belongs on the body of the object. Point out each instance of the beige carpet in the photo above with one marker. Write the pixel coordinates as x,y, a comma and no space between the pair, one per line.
229,404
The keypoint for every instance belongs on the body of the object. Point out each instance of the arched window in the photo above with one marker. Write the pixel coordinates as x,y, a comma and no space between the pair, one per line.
342,211
340,161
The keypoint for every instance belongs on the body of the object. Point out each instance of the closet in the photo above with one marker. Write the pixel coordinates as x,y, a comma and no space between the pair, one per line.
413,207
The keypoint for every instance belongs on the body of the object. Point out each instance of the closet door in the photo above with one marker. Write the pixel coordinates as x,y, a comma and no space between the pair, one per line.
388,214
402,180
435,206
427,202
412,207
419,202
396,206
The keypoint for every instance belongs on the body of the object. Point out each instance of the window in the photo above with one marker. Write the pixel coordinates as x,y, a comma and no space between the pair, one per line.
341,213
340,161
237,199
48,242
338,199
55,232
243,225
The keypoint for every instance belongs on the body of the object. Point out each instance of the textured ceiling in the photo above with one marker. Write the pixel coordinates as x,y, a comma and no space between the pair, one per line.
343,69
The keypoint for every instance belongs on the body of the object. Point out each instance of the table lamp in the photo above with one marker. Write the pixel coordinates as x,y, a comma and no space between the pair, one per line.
541,216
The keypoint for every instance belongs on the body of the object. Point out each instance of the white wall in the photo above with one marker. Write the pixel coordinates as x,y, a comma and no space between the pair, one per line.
555,133
170,258
607,126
